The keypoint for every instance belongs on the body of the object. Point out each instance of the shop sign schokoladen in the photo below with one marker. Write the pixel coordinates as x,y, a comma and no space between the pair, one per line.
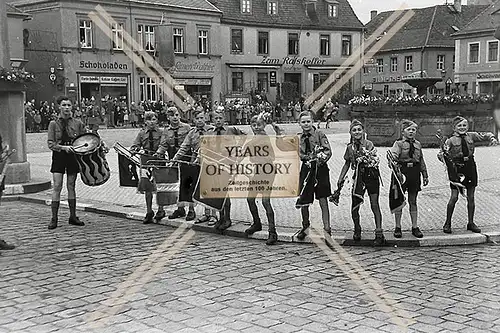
246,166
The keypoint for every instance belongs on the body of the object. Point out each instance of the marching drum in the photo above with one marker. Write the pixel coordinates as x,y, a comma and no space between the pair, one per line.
94,169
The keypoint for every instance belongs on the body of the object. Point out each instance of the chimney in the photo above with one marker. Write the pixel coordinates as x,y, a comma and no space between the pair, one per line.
373,13
458,6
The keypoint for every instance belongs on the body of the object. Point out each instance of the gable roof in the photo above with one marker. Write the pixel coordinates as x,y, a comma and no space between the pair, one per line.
290,14
203,5
429,27
488,19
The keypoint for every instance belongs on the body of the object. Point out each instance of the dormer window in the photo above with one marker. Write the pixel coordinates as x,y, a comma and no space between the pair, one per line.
246,6
272,7
332,8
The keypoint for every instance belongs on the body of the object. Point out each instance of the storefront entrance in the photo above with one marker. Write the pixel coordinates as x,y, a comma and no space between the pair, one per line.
292,87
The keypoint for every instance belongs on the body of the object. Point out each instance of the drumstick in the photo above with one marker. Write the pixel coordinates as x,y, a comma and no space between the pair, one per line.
81,146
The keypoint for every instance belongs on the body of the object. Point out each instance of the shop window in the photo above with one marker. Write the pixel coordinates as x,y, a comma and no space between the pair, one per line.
332,10
386,90
203,42
319,78
293,43
272,7
146,37
85,34
236,40
346,45
408,63
262,82
473,53
117,32
380,65
324,45
246,6
440,65
394,64
263,47
237,84
178,40
492,51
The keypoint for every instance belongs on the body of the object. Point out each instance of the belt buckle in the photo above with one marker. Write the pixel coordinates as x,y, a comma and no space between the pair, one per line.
409,165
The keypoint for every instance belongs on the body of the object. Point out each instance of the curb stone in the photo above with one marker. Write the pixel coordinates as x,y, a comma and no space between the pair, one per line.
433,238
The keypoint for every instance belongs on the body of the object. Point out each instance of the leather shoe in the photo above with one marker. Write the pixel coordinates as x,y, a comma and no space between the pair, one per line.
272,239
398,233
379,240
191,215
253,229
148,218
53,224
447,228
179,212
416,232
159,215
357,235
76,221
473,227
5,246
226,224
302,234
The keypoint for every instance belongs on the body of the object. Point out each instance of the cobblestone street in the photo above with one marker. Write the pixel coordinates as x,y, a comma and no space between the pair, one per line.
115,275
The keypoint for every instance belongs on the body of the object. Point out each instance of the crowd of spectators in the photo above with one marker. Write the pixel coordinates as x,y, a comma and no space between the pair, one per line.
115,112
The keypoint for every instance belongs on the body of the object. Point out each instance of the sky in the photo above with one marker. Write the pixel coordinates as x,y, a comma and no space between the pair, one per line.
363,7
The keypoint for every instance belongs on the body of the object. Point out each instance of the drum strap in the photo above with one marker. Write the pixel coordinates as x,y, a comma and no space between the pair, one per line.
176,138
151,141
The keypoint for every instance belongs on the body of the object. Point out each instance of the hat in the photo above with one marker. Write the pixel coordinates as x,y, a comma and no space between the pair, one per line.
354,123
405,123
457,120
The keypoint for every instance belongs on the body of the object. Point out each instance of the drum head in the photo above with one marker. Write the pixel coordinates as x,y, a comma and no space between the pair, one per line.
86,143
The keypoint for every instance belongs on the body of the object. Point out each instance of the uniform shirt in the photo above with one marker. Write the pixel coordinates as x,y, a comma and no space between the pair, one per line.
453,145
316,138
74,128
191,145
142,139
351,153
168,144
401,152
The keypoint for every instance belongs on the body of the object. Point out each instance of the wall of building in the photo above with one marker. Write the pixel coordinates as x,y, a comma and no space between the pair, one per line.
16,26
278,60
481,77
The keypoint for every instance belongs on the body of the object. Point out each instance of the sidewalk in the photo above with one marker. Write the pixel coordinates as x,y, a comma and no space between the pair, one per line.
125,202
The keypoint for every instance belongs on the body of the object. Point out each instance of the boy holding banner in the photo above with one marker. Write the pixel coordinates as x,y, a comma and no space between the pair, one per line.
361,156
407,153
147,143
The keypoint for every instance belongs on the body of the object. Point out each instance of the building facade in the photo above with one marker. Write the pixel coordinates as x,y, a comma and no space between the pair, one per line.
423,47
71,54
285,49
477,53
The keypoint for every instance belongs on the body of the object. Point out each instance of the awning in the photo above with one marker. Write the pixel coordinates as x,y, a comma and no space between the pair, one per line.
257,66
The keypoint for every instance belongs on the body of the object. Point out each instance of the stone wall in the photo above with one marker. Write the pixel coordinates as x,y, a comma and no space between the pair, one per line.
382,124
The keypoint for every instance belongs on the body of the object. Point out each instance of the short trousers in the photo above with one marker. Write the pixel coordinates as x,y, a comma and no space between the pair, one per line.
469,170
323,188
412,182
63,162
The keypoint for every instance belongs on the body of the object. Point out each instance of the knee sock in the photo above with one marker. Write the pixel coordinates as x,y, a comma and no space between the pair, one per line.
55,208
72,207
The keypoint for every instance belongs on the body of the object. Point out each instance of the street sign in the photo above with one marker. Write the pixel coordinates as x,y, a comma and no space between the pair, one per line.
52,77
272,79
